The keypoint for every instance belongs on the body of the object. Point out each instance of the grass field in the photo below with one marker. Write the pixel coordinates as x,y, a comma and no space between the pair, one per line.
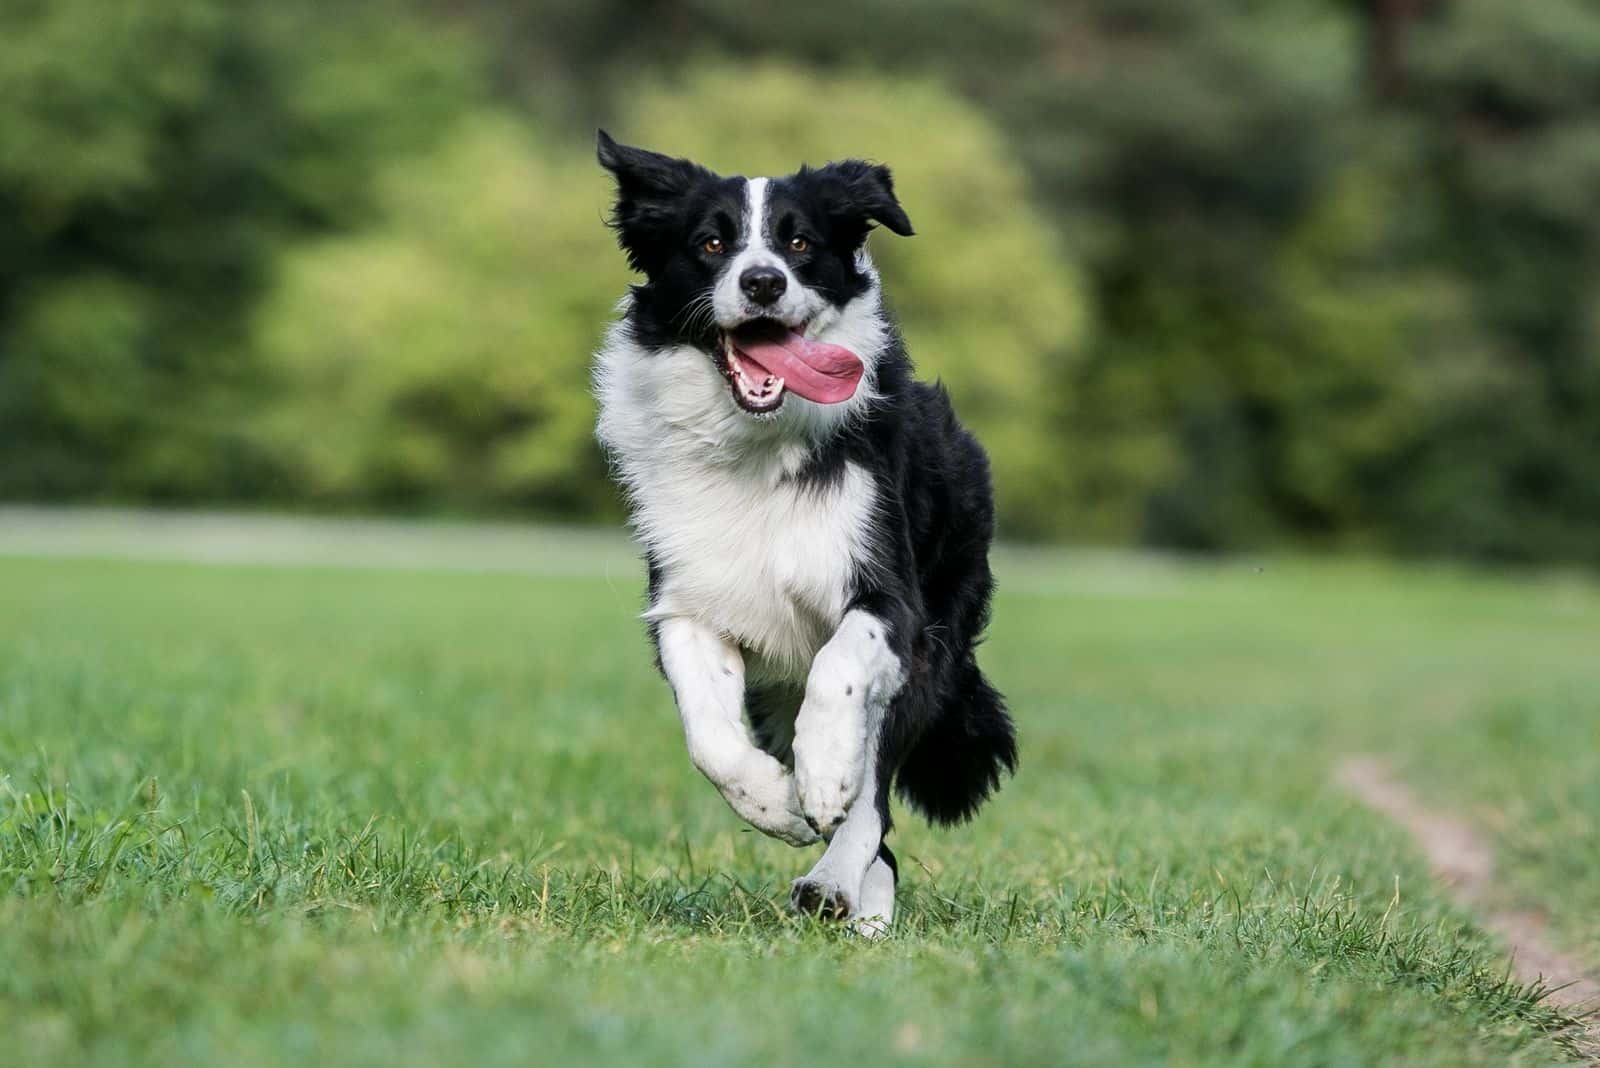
298,815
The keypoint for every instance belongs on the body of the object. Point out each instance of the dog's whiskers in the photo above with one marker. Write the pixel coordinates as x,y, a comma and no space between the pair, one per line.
698,314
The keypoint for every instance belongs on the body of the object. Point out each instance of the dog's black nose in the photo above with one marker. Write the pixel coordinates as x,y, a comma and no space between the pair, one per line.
763,285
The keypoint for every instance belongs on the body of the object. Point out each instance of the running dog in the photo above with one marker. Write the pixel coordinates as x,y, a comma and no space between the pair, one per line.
815,521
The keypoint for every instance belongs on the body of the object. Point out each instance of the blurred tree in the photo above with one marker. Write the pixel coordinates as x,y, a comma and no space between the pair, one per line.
1262,322
442,356
1209,273
156,152
1507,98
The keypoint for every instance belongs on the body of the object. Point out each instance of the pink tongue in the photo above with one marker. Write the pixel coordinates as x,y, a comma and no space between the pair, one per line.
816,370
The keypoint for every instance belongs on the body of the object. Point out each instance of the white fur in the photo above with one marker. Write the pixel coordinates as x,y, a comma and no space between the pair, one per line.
775,574
875,911
707,677
852,680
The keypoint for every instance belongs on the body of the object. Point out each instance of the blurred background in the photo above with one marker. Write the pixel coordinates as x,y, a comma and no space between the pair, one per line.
1205,274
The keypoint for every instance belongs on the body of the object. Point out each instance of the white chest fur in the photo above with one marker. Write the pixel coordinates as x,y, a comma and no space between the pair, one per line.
766,560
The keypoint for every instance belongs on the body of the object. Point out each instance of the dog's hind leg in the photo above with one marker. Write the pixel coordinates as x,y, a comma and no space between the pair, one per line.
875,913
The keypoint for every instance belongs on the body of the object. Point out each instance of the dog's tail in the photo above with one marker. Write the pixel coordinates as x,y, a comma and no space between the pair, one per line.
956,763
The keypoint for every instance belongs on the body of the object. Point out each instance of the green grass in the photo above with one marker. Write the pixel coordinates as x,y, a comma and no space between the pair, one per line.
288,816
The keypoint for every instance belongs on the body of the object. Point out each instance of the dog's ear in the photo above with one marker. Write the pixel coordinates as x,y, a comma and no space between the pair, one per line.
649,188
856,194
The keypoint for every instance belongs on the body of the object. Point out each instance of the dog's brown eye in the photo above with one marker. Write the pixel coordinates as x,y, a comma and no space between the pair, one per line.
713,245
798,244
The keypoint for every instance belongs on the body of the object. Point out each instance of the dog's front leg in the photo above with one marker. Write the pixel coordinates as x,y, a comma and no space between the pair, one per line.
706,673
853,678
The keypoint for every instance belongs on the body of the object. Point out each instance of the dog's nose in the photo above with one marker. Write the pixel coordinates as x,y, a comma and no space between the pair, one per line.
763,285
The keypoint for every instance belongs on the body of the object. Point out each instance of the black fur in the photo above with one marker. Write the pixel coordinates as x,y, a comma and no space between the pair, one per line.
947,738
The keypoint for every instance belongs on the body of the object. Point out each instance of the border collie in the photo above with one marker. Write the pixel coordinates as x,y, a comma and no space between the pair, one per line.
815,522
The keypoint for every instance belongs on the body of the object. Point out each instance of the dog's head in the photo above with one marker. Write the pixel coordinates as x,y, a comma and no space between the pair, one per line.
760,274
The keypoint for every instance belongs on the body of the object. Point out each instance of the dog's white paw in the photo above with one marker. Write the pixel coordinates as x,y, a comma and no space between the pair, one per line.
871,927
829,765
764,796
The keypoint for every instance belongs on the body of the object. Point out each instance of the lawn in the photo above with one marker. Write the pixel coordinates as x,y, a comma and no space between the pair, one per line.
298,815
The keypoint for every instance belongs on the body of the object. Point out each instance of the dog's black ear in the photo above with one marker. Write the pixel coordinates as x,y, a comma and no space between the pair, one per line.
649,189
857,194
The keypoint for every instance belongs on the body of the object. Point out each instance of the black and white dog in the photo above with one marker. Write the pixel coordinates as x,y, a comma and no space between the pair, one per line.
816,523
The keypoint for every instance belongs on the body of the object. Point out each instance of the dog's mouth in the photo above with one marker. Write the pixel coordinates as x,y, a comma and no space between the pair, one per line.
763,358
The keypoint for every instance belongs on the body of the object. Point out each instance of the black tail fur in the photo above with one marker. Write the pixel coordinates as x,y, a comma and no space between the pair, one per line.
957,762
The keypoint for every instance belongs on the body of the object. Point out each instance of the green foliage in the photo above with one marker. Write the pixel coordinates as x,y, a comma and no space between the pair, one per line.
1505,96
157,155
442,356
990,304
84,104
1206,274
1228,424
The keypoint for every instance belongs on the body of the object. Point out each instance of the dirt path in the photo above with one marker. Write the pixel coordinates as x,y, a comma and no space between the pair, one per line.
1463,861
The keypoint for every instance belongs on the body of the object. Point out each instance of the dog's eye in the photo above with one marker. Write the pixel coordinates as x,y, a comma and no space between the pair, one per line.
798,244
713,245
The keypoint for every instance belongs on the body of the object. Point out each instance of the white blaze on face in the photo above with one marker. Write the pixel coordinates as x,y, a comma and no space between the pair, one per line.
728,298
755,253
